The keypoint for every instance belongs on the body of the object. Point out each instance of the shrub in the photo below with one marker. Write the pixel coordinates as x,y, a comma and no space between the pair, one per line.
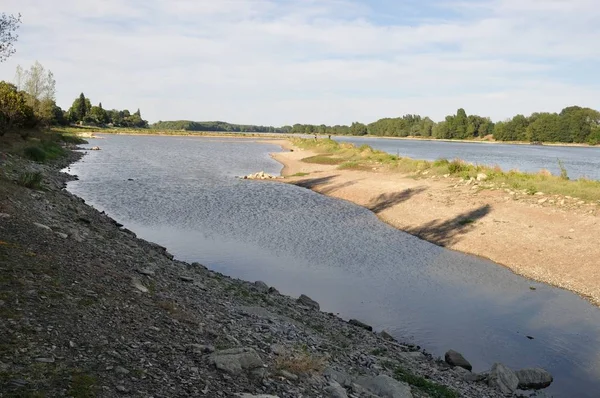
456,166
563,170
30,179
35,153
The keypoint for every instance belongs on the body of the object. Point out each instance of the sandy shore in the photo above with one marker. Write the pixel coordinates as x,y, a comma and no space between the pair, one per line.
546,238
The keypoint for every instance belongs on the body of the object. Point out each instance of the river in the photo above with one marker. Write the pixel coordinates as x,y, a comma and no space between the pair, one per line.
578,161
184,194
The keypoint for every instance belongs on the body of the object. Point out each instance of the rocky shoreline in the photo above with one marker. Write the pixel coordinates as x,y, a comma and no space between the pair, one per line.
88,309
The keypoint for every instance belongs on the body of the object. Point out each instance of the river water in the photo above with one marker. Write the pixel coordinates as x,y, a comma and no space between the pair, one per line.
578,161
184,195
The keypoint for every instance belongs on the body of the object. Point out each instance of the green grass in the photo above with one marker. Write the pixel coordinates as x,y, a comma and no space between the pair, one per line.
300,174
347,156
323,159
31,180
83,386
433,390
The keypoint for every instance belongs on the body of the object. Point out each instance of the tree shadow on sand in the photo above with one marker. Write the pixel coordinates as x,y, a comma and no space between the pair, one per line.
387,200
448,232
312,183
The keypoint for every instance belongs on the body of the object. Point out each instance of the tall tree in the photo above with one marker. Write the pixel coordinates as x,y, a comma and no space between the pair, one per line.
8,34
14,111
40,87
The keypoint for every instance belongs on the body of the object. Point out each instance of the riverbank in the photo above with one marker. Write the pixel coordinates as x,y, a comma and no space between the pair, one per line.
88,309
547,238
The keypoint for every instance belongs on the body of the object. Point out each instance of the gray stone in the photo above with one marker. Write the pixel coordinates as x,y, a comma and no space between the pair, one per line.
243,395
454,358
45,360
288,375
121,370
42,226
335,390
279,349
386,336
482,177
533,378
360,324
308,302
4,215
146,271
61,235
138,285
337,376
261,286
201,348
236,360
503,379
385,386
186,278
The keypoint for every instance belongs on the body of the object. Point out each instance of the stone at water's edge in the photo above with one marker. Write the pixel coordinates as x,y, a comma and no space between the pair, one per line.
385,386
308,302
236,360
360,324
261,286
503,378
455,358
534,378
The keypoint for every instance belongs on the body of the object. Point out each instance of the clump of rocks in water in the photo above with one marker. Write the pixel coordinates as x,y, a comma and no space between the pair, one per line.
88,309
261,175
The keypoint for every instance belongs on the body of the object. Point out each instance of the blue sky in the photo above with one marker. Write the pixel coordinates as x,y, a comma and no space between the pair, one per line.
315,61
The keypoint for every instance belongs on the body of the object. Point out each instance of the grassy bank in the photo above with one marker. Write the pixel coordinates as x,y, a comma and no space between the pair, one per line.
348,156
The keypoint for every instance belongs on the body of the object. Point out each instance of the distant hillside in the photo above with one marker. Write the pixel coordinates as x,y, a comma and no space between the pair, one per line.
188,125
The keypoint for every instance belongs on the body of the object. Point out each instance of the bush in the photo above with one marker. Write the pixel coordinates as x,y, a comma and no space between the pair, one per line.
30,179
441,162
35,153
456,166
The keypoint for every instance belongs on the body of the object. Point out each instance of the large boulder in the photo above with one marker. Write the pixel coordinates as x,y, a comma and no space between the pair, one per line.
533,378
236,360
454,358
335,390
360,324
385,386
308,302
503,379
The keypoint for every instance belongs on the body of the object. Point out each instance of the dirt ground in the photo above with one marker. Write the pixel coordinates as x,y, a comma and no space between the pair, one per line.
547,238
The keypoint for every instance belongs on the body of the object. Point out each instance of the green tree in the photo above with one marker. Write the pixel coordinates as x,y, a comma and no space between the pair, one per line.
14,112
358,129
80,108
9,24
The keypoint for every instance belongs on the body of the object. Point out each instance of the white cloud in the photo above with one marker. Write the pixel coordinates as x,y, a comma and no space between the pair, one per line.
277,62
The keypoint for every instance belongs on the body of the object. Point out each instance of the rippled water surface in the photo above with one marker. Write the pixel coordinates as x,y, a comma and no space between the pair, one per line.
184,195
579,161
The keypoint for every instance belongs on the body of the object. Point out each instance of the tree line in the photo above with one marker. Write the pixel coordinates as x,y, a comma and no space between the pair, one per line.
573,124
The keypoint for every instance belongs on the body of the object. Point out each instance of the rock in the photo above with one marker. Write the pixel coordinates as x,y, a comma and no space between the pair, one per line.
236,360
272,290
386,336
138,285
121,370
4,215
42,226
385,386
503,379
482,177
288,375
335,390
533,378
360,324
201,348
338,377
146,271
243,395
186,278
95,148
279,349
261,286
45,360
466,375
542,201
454,358
308,302
61,235
122,389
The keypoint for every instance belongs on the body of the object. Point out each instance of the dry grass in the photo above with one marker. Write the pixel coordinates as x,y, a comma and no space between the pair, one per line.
301,363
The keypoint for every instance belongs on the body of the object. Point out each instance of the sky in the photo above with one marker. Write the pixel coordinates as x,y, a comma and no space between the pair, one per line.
278,62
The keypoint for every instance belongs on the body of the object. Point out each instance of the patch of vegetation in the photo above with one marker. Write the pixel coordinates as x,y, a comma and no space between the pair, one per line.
30,179
302,363
83,386
428,387
35,153
466,221
323,159
350,165
379,351
563,170
300,174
